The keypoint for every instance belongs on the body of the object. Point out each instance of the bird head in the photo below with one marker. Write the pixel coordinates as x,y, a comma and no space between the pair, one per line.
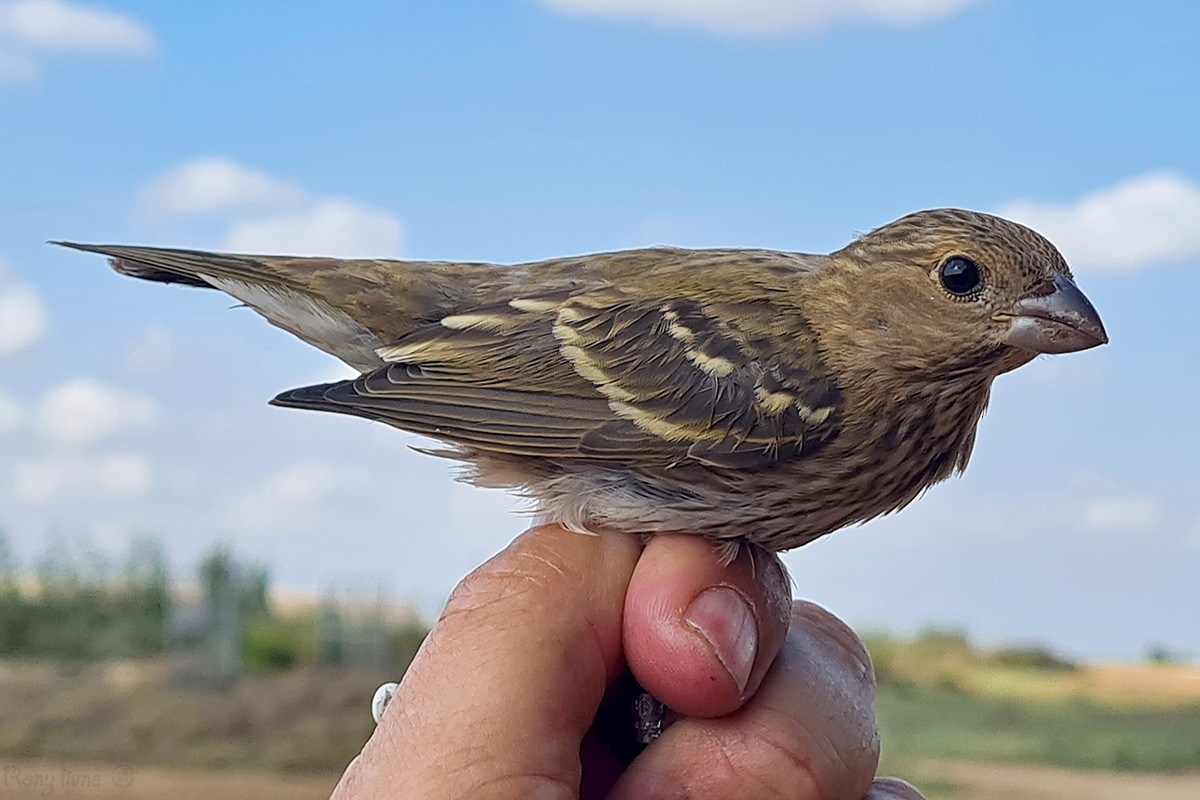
948,292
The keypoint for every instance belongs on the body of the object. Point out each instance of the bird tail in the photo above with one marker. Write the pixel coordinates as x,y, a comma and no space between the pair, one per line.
346,307
171,265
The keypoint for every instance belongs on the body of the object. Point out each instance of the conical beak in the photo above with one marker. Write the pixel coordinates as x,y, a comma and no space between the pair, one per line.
1062,321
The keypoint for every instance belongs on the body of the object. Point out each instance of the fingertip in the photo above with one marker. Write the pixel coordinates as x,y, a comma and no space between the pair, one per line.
700,633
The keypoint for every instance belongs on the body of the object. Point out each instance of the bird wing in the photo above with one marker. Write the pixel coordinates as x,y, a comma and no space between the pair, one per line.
598,374
583,366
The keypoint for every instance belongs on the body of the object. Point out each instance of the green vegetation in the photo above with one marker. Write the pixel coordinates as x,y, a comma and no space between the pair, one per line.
938,656
79,609
922,722
941,698
77,615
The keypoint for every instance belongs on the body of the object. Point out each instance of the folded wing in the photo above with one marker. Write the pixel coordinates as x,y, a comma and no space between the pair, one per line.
594,375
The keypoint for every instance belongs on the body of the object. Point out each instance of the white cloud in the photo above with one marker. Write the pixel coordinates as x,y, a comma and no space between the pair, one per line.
206,185
286,496
1128,513
764,17
150,352
264,214
1145,220
16,67
10,414
332,227
84,411
78,475
22,318
66,27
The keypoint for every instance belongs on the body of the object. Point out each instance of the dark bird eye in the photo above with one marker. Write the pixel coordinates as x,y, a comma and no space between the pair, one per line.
960,276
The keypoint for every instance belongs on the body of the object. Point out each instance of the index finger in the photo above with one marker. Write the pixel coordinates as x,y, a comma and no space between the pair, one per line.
499,697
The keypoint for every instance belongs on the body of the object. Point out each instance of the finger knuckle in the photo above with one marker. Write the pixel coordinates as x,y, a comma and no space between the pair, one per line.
486,591
518,577
753,764
846,642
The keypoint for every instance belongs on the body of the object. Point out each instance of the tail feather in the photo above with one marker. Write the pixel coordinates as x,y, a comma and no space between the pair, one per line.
128,263
173,265
277,287
317,297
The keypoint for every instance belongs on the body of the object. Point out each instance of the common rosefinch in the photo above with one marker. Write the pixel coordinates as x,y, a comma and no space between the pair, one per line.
744,395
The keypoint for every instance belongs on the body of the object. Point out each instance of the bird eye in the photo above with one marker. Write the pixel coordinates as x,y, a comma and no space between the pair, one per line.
960,276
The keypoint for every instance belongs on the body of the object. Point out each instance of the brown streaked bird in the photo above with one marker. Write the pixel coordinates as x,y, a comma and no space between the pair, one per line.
743,395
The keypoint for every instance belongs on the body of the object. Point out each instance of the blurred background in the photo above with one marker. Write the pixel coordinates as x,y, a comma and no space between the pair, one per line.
199,593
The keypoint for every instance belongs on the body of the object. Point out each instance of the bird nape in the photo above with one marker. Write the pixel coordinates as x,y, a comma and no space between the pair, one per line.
742,395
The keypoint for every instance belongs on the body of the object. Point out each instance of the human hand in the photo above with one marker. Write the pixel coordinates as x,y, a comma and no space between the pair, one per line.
517,693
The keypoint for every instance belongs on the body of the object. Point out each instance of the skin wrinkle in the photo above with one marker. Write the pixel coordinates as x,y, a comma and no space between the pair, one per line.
718,748
465,751
768,747
498,585
479,591
532,786
544,561
737,756
825,765
838,780
762,749
843,764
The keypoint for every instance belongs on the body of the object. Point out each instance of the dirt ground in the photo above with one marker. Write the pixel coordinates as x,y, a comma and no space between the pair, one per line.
34,780
1011,782
37,780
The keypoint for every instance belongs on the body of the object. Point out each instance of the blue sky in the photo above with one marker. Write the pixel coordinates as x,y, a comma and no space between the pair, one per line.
512,130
